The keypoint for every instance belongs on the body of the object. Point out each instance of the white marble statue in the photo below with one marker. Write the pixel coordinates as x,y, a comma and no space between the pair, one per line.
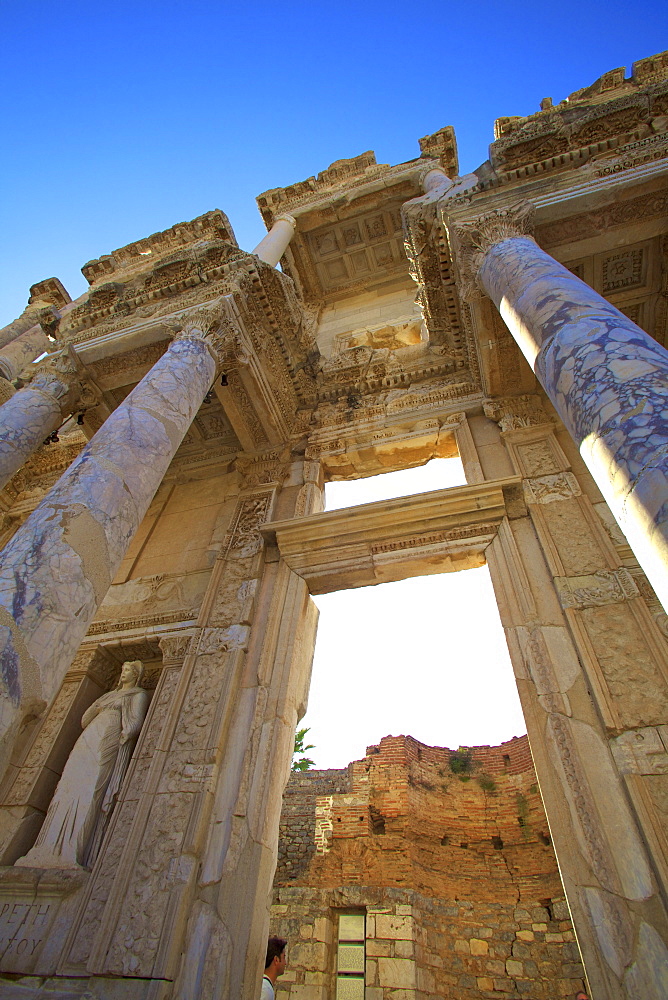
87,791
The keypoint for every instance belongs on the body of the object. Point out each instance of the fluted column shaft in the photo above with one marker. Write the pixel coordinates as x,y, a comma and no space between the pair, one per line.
57,568
21,351
275,243
607,379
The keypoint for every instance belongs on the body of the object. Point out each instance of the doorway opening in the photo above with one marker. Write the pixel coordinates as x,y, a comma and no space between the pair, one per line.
423,657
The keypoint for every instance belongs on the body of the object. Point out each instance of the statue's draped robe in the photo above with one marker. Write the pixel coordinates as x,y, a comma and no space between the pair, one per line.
75,823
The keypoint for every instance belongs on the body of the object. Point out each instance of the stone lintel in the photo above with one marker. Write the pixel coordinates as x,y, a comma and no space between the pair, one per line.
435,532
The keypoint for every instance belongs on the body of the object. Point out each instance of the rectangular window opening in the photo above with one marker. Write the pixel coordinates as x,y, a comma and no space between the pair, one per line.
351,956
437,474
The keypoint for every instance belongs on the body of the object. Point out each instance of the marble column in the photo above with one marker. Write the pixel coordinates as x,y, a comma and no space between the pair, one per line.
434,180
275,243
607,378
34,412
57,568
22,350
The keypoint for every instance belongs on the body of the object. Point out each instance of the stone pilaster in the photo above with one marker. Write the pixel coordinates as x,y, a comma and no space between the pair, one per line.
590,665
58,567
29,416
607,379
201,801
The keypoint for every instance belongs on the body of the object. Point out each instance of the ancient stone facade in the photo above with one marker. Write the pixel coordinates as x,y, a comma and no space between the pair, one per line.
193,403
446,855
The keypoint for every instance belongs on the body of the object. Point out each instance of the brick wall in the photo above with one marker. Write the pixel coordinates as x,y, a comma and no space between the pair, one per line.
449,855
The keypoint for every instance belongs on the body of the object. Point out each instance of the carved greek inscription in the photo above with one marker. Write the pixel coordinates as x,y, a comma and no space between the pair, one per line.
23,927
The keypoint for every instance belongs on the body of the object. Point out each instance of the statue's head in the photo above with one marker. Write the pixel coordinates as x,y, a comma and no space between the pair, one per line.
131,670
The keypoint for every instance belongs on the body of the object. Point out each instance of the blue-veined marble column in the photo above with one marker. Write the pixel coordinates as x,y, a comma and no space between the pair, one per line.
34,412
22,350
607,379
57,568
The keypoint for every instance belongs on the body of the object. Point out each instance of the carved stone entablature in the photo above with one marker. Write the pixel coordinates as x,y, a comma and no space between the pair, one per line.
46,299
596,589
653,205
362,370
632,154
584,124
193,274
652,69
51,291
514,412
357,170
261,337
547,489
211,226
263,469
128,367
472,240
442,145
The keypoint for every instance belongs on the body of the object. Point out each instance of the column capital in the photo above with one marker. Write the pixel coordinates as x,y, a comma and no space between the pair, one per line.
432,177
211,325
63,378
513,412
286,217
474,239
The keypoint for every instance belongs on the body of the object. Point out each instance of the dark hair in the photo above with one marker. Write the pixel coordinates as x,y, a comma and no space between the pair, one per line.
275,948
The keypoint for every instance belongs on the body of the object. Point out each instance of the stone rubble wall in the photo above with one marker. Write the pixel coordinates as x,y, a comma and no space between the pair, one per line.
462,901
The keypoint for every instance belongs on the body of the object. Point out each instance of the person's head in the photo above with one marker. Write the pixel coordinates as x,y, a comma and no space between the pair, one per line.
274,965
131,672
581,995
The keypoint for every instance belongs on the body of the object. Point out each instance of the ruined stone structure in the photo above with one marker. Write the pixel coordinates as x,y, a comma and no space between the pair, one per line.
446,856
202,397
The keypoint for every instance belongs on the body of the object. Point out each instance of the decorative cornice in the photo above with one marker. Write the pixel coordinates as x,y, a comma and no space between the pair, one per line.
212,325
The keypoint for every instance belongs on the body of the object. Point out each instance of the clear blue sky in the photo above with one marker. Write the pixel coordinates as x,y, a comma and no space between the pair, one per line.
121,119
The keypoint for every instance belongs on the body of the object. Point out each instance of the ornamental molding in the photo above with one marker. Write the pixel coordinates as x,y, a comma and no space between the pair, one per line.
547,489
579,227
515,412
596,589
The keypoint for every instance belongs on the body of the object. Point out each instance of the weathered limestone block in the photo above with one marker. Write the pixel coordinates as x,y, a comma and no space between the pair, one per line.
397,973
